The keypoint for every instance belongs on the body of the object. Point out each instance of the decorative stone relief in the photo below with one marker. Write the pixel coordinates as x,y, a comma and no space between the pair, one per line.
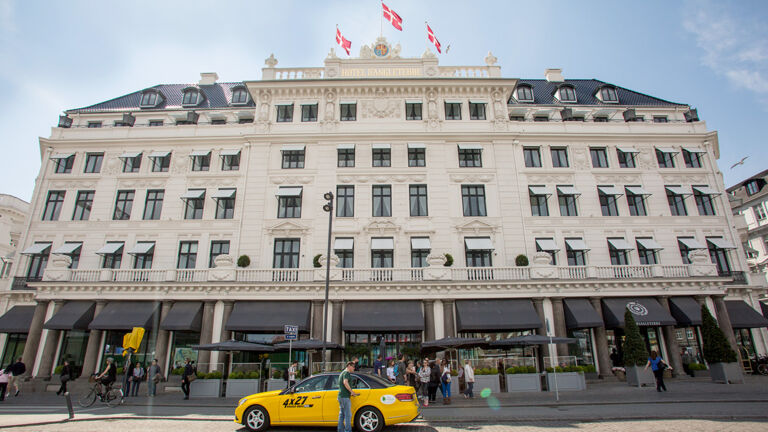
618,178
208,181
392,178
223,269
580,161
329,122
433,117
381,107
382,227
490,59
499,109
288,229
549,178
474,178
291,179
701,265
476,227
684,178
180,162
646,159
113,165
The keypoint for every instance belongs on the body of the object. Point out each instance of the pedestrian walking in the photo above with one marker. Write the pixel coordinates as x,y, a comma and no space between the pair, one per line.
187,377
4,378
128,377
411,377
64,376
378,366
16,370
685,356
434,380
292,373
391,371
657,366
154,376
615,358
424,375
400,368
445,382
469,379
345,405
138,376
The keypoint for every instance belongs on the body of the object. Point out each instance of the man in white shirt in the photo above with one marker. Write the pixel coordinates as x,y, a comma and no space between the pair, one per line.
292,373
469,379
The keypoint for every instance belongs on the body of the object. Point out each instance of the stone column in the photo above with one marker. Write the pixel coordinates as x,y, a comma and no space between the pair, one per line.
673,349
206,332
33,336
429,320
49,348
538,304
558,312
336,333
317,320
724,321
448,319
161,346
601,342
225,334
93,347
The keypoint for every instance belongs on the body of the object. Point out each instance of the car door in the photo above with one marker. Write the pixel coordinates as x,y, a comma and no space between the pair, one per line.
304,403
331,401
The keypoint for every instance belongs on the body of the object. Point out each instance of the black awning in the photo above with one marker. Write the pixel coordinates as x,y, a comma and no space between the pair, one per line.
686,310
17,319
744,316
125,315
495,315
269,316
383,316
183,316
647,311
74,315
764,309
579,314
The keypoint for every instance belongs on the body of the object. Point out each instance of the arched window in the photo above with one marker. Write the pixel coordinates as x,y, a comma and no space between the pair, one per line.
566,93
239,96
191,97
150,99
608,94
524,93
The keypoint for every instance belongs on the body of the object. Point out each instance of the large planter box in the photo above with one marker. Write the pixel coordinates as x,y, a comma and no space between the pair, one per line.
701,374
487,381
238,388
726,373
566,381
591,375
276,384
205,388
638,376
529,382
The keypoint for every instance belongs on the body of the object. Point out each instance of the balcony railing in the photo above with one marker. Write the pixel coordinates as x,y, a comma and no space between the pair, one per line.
275,275
738,277
20,282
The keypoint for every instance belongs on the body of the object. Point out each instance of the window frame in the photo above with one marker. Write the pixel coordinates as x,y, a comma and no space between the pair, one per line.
345,157
559,157
454,113
383,195
541,202
525,88
64,165
345,202
201,163
418,200
238,100
191,206
617,256
348,111
477,110
289,253
225,207
307,113
216,249
611,93
54,202
646,256
609,204
381,157
530,160
676,203
93,162
705,203
599,156
188,250
470,158
132,164
83,205
161,164
153,204
575,258
293,159
230,162
284,113
692,159
417,157
567,202
412,115
636,203
626,159
289,207
473,200
665,159
569,91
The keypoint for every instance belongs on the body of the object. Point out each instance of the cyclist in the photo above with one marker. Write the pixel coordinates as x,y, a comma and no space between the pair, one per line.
107,377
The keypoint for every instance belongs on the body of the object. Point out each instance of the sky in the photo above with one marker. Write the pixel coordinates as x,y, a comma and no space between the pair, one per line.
712,55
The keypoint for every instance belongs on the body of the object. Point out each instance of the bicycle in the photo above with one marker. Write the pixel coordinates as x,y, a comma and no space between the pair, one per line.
112,397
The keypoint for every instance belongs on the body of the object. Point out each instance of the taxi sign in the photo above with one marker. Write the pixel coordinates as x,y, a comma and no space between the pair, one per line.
291,332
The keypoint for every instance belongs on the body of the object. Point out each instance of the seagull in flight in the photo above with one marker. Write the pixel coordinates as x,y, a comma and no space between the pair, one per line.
741,162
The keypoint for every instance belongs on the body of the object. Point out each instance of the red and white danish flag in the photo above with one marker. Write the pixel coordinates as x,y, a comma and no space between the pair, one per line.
392,17
342,41
433,39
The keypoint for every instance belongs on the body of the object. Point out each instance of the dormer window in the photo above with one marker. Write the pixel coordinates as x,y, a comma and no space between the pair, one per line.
192,97
524,93
608,95
566,94
239,96
150,99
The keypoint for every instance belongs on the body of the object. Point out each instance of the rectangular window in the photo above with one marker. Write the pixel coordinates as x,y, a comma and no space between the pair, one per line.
345,201
413,110
636,203
626,159
93,162
759,212
551,250
218,121
382,200
83,205
618,256
53,205
309,113
567,202
37,264
473,200
704,202
293,158
195,201
144,260
348,111
245,120
539,205
123,205
346,255
719,257
153,123
187,255
676,202
64,165
286,253
684,249
284,113
659,119
539,118
382,157
600,119
666,158
161,163
647,255
477,258
289,206
417,156
94,124
608,203
113,260
516,118
382,258
477,111
532,157
752,187
153,205
599,157
576,257
132,164
470,157
225,205
230,162
419,254
218,247
345,157
418,196
201,162
559,157
453,111
692,159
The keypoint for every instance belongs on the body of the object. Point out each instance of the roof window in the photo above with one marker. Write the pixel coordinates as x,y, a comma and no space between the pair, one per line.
608,94
524,93
566,93
150,99
239,96
192,97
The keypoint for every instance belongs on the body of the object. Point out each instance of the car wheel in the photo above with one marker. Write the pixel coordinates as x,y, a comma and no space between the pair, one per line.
369,419
256,419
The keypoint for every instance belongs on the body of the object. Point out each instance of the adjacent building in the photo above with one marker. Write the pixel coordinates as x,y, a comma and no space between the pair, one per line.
13,216
464,204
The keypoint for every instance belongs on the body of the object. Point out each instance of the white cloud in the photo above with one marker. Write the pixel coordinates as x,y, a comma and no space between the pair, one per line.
733,46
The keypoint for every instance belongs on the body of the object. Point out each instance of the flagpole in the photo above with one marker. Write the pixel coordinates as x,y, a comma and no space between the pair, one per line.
381,20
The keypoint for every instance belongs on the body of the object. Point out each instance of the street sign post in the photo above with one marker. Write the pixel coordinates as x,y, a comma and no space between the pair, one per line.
291,333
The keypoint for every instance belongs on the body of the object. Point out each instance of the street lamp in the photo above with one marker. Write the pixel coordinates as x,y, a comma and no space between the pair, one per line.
328,207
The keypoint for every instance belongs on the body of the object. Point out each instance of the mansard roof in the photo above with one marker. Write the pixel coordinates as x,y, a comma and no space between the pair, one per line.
586,90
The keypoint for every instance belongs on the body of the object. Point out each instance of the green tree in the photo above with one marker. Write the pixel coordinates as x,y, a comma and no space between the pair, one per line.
716,346
635,353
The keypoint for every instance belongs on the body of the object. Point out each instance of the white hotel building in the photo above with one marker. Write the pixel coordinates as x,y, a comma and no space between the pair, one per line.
144,203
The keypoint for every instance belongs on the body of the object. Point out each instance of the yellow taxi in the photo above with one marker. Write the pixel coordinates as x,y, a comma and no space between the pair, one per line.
313,402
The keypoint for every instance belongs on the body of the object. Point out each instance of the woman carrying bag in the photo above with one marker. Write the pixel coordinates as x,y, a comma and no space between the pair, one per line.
65,376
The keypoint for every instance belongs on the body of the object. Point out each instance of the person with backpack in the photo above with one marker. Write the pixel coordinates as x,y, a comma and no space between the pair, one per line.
445,382
400,370
434,380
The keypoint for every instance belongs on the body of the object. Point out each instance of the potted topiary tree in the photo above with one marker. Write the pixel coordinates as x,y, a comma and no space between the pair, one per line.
635,354
723,366
243,261
316,261
521,261
448,260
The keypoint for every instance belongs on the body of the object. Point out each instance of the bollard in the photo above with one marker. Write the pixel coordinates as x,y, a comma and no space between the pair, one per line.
69,405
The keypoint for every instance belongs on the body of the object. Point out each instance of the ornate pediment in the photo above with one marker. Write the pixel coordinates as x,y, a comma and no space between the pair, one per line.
550,178
684,178
291,179
381,178
382,227
486,177
618,179
288,229
476,226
